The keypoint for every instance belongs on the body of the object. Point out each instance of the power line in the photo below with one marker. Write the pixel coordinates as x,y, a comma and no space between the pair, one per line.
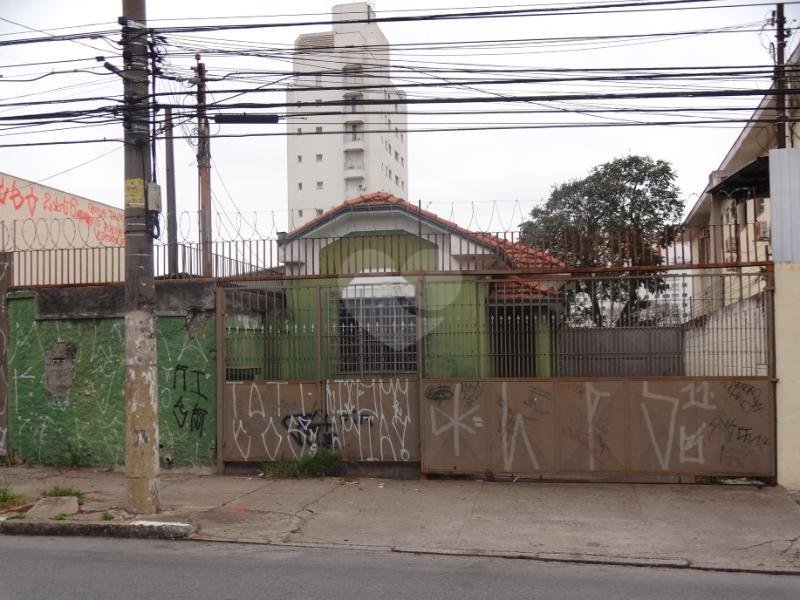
605,8
683,123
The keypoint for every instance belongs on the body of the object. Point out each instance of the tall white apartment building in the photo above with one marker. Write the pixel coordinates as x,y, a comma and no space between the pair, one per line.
342,150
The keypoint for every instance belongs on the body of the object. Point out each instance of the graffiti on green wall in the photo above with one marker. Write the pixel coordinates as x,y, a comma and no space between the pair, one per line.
66,388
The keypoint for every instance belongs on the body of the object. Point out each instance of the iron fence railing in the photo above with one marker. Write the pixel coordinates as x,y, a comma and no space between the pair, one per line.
367,252
507,327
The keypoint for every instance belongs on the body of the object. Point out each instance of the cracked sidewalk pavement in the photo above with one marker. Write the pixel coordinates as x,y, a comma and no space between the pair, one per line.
715,527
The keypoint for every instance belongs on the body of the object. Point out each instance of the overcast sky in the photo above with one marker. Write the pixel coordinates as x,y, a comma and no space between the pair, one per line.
482,179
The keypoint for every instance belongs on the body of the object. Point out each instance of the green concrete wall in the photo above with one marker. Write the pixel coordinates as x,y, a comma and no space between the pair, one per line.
84,424
457,339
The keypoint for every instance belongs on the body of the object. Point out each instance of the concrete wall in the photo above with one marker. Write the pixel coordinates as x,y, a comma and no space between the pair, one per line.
787,334
729,341
58,237
65,376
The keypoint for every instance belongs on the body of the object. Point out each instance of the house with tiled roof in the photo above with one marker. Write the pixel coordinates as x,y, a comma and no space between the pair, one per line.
389,268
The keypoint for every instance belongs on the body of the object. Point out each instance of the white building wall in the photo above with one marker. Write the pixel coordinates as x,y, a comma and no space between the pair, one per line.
57,237
730,341
335,156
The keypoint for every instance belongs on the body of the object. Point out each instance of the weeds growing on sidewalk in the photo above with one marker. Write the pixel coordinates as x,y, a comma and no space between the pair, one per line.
323,463
8,498
58,490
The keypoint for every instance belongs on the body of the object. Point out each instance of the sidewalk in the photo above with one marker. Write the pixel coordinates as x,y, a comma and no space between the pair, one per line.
710,527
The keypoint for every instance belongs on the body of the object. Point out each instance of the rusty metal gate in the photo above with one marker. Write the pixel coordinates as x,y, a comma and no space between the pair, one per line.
599,427
551,373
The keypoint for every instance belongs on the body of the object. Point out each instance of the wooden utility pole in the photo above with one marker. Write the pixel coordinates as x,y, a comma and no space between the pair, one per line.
172,219
203,170
141,392
780,76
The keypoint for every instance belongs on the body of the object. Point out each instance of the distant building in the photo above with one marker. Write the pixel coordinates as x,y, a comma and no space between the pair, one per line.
731,222
56,237
678,287
352,148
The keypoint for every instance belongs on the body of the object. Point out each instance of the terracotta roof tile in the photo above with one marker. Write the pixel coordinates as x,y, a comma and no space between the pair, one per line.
516,255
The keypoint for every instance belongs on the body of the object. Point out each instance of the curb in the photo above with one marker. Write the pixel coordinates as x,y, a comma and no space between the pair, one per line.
594,559
597,559
134,529
554,557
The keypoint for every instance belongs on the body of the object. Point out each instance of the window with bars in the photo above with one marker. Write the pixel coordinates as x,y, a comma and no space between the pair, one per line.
513,339
377,335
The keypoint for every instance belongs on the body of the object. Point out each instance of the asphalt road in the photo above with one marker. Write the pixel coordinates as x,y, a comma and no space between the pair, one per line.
81,568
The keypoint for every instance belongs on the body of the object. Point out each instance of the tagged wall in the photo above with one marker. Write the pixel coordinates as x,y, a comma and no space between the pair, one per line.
66,387
270,420
364,419
6,265
677,426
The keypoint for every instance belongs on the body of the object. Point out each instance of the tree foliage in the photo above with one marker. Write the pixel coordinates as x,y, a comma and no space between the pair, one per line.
622,214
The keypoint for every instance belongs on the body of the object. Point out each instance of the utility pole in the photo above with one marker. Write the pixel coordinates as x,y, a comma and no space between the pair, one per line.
141,393
203,170
780,76
172,220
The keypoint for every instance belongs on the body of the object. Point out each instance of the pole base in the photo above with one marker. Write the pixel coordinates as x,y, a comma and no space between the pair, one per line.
142,495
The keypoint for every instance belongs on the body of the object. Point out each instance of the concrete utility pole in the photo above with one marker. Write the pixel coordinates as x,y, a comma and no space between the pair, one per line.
172,220
203,170
780,76
141,393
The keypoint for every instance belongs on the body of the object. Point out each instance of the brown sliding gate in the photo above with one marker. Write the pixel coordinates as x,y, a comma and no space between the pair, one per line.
508,374
612,427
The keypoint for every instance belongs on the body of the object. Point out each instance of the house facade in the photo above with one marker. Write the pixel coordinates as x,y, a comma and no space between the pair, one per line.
371,281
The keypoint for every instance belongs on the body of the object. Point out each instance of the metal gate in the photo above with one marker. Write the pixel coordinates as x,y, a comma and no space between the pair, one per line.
540,372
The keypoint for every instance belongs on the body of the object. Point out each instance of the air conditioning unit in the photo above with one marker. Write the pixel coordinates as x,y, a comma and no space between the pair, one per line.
731,245
762,231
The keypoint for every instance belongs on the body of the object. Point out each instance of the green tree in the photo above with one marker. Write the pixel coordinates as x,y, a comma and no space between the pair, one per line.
621,215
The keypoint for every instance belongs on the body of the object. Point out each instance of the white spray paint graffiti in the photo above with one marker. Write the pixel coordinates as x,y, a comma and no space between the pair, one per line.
593,397
268,416
364,420
611,426
701,398
373,416
456,421
509,448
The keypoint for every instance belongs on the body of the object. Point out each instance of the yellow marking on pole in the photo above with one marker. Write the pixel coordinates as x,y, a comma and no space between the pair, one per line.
134,193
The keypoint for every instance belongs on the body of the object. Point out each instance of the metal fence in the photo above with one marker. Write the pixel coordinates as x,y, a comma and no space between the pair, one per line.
44,258
505,327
